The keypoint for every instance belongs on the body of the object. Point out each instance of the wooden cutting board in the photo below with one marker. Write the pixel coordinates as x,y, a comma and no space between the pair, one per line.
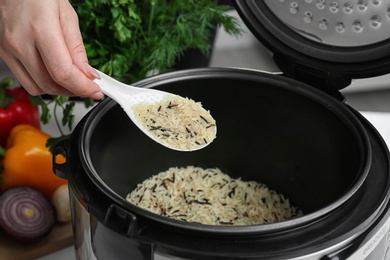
60,236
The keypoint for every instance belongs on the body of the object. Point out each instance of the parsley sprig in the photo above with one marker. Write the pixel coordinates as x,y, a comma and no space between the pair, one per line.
127,39
62,112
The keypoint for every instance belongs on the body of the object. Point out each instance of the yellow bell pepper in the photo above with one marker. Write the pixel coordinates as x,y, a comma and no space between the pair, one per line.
28,162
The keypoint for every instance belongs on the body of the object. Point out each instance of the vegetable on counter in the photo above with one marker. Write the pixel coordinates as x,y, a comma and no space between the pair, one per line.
26,214
28,162
15,108
60,201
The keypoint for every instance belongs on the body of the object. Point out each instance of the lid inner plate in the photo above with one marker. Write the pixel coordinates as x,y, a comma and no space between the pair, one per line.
344,23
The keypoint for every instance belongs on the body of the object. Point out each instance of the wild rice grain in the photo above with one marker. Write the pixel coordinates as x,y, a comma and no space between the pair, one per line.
178,122
209,196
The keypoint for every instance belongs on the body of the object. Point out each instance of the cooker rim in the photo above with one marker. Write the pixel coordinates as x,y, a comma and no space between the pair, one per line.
338,108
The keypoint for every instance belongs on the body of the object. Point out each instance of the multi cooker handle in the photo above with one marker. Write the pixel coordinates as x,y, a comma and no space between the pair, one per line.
61,169
121,220
324,78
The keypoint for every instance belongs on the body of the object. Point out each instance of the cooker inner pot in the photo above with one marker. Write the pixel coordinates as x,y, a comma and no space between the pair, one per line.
298,142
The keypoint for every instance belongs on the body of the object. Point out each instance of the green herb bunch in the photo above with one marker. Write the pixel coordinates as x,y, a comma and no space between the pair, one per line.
128,39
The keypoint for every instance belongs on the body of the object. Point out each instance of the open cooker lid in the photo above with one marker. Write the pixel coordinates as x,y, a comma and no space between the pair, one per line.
325,43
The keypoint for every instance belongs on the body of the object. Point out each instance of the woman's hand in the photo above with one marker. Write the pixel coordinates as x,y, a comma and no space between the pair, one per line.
41,43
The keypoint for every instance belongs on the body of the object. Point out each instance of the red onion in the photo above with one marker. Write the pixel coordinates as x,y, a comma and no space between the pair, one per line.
26,213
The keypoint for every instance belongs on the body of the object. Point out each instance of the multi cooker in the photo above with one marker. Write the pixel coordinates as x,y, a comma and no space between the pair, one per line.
293,132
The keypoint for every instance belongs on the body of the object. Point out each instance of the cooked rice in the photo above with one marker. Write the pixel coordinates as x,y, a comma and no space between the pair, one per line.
208,196
178,122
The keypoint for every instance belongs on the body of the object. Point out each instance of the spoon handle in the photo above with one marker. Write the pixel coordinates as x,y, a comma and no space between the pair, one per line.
109,85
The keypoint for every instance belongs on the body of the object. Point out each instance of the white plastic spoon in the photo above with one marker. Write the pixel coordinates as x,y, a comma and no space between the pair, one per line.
128,97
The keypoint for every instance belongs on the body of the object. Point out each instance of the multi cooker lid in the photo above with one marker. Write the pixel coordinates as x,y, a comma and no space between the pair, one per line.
325,43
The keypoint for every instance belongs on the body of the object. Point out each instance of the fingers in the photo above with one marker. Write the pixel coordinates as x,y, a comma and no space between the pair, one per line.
52,47
44,83
22,75
44,49
73,40
28,82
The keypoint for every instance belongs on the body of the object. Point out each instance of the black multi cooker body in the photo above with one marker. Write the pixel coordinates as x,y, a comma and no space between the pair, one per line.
301,140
